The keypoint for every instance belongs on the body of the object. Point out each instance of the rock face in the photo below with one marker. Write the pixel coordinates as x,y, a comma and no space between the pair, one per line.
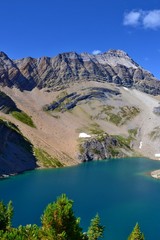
15,151
103,147
7,105
156,110
56,73
69,101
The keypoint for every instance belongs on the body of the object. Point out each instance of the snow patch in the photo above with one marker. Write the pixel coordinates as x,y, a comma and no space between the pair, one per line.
140,144
125,88
84,135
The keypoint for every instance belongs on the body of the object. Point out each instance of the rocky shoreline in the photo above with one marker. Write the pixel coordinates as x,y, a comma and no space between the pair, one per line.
156,174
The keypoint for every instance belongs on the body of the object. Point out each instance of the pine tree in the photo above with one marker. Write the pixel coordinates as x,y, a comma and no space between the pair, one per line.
10,213
95,229
6,214
136,233
59,218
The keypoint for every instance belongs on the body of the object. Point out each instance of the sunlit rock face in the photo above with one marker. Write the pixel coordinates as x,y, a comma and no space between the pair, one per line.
67,68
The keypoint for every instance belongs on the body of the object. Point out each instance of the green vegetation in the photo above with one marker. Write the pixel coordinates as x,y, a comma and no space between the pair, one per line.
155,134
6,214
114,118
58,223
95,129
133,132
118,116
123,141
136,234
45,159
95,230
114,152
60,102
128,112
23,117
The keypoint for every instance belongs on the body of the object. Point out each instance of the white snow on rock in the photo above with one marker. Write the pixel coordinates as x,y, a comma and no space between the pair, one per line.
84,135
140,145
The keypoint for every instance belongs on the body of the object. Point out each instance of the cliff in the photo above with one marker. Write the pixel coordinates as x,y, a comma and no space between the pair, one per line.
16,154
114,66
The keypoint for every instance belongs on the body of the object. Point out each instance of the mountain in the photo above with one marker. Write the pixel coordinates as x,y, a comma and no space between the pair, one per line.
54,102
58,72
15,151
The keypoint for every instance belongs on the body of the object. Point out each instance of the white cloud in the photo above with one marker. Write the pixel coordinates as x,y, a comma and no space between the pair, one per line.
132,18
152,19
146,19
95,52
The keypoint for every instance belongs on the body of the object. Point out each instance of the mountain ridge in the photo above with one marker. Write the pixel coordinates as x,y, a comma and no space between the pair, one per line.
102,95
66,68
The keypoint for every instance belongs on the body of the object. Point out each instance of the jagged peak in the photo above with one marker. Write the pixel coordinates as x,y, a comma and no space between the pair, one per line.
70,55
3,55
117,53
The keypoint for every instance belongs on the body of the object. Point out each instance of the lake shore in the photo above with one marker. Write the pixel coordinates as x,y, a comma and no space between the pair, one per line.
156,174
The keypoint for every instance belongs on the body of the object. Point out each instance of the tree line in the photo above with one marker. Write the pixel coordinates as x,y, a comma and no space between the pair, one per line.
58,223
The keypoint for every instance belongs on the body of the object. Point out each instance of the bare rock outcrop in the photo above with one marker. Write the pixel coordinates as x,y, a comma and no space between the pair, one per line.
16,153
103,147
66,68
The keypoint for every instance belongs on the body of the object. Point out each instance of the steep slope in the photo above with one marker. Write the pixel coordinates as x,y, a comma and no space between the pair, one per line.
124,114
66,68
72,94
7,105
16,153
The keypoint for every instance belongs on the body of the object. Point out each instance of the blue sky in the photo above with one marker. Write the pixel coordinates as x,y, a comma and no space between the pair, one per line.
47,27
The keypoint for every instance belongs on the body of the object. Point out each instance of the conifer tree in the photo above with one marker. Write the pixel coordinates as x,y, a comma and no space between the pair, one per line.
136,233
95,229
6,214
59,218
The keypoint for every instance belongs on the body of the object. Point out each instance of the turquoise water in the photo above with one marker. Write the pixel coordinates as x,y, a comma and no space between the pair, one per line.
119,190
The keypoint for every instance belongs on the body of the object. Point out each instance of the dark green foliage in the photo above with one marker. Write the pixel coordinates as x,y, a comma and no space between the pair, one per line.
136,233
58,223
6,214
59,217
23,117
28,232
95,231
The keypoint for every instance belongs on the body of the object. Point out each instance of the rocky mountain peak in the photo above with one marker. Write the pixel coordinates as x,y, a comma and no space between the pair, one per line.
3,55
115,57
117,53
66,68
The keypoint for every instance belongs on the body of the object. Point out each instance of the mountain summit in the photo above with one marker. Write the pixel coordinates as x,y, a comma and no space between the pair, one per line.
82,107
114,66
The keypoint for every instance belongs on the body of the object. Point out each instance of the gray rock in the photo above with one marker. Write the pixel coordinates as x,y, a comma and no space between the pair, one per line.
100,148
156,110
7,105
16,153
57,72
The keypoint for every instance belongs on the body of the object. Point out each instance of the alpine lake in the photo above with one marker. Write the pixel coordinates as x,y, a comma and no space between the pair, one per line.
121,191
